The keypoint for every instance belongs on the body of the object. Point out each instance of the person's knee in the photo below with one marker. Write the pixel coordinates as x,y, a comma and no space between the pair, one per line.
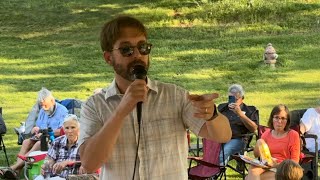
37,145
255,171
27,143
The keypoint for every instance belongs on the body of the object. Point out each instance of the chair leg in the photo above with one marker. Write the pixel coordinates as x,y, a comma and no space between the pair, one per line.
4,150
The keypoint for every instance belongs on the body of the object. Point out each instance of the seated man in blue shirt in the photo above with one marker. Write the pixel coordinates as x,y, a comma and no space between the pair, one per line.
243,119
51,115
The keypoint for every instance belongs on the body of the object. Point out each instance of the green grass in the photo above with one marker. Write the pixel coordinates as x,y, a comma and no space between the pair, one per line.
201,45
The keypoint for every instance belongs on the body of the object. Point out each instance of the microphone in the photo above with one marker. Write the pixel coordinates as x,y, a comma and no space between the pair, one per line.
139,72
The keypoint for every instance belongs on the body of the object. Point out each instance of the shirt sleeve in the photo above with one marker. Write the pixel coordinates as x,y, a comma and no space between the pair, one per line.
89,120
63,115
294,146
39,118
63,112
307,119
194,124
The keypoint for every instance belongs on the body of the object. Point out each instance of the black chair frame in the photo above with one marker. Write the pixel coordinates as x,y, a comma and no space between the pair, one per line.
2,145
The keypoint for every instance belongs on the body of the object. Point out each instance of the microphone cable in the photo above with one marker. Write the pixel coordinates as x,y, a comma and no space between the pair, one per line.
139,72
139,133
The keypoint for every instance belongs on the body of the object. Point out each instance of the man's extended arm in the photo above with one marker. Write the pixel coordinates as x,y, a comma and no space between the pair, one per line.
217,127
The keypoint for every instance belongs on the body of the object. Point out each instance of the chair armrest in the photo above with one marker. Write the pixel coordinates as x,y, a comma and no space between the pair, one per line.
200,161
311,136
75,163
248,134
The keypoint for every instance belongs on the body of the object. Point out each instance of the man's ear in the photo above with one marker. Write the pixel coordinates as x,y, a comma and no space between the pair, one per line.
53,101
107,57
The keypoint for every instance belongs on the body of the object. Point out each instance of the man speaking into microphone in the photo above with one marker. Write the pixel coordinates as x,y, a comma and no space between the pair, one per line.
152,145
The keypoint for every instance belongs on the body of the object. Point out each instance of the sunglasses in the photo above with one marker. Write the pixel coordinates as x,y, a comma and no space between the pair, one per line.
144,48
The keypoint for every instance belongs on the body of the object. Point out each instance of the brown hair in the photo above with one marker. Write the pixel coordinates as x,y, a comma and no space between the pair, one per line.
112,30
289,170
276,110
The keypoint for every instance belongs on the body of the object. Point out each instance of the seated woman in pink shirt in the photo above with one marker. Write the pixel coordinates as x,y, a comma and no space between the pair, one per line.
283,143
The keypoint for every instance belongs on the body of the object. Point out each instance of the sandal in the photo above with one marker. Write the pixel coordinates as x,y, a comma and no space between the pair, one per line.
11,174
3,171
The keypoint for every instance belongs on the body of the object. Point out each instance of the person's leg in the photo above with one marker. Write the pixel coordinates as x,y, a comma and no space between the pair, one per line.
231,147
35,147
25,149
254,173
268,175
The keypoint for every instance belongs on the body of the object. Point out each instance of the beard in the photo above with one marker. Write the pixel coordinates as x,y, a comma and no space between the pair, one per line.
50,110
126,72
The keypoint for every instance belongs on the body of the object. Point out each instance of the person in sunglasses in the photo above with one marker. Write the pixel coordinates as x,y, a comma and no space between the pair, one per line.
155,148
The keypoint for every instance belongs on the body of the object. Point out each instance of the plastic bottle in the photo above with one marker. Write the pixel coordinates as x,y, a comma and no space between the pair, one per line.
46,168
51,134
44,140
22,127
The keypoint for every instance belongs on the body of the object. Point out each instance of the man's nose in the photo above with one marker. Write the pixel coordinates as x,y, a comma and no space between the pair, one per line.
136,52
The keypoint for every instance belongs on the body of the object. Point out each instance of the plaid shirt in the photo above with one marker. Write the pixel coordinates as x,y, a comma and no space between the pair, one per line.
59,152
163,149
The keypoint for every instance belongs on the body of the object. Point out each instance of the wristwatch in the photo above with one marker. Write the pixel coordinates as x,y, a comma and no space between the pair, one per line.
215,114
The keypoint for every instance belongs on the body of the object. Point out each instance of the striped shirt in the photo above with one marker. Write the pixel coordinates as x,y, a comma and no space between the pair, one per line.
163,149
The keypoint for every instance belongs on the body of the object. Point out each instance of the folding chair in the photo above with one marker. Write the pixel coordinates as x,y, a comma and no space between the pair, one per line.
2,133
247,148
194,148
32,164
75,166
247,138
208,165
310,160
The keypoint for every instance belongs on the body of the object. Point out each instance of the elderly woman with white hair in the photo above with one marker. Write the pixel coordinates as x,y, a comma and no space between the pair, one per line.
64,150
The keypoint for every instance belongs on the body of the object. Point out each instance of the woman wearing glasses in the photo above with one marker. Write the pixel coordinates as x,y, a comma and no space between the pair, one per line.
283,143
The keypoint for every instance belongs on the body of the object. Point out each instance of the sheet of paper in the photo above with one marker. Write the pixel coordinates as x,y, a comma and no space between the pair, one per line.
254,162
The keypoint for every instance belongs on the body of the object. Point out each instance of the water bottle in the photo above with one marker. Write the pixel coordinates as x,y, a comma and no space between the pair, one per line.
46,168
22,127
44,140
51,134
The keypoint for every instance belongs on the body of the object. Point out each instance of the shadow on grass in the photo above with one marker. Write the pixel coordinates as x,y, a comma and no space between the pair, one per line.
51,38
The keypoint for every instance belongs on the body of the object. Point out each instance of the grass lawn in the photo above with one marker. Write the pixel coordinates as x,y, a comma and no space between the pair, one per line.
201,45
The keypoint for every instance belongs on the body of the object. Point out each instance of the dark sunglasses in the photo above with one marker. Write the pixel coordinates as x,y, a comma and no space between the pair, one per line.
144,48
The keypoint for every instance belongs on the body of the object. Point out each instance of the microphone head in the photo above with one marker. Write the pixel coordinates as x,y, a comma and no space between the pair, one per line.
139,72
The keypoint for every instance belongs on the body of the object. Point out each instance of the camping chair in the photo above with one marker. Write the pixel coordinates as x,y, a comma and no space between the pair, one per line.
32,164
193,149
208,165
3,131
247,148
310,160
73,105
75,166
247,138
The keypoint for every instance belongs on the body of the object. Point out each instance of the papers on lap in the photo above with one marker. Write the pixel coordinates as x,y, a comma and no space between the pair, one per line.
254,162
